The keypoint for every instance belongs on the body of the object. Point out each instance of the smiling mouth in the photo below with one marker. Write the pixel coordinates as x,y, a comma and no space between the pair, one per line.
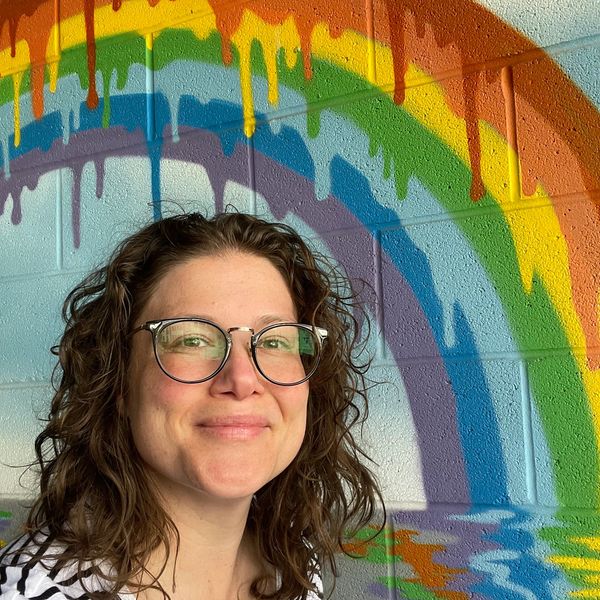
234,427
241,431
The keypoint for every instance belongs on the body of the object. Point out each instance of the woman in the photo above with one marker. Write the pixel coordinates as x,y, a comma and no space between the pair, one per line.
198,444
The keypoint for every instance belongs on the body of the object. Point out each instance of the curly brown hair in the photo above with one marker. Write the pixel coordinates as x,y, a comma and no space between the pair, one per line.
96,499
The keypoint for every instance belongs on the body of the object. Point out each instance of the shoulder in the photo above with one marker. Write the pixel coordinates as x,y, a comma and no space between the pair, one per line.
28,570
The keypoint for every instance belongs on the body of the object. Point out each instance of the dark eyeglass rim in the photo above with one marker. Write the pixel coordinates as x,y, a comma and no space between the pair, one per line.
155,326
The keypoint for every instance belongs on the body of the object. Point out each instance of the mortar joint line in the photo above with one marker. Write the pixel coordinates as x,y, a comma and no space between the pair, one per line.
252,175
371,56
57,27
379,311
529,448
150,104
60,246
510,108
388,539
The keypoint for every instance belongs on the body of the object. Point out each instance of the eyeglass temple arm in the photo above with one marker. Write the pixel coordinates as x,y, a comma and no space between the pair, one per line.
149,326
322,333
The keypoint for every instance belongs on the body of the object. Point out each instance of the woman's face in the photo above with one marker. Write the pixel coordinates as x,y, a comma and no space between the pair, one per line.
189,435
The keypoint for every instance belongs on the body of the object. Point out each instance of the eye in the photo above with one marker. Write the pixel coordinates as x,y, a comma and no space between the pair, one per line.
193,341
186,342
190,336
276,343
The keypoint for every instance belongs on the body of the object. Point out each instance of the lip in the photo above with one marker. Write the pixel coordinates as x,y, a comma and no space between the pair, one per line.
235,421
235,427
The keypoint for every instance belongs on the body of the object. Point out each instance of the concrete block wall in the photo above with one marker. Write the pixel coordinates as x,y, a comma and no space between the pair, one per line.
446,153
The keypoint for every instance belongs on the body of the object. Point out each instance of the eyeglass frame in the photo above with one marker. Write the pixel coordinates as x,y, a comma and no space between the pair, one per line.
155,326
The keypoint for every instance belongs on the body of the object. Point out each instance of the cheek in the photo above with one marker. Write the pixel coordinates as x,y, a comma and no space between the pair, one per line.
150,404
294,408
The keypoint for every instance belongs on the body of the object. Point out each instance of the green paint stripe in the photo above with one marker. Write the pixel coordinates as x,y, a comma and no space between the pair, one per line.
532,317
117,53
411,589
562,537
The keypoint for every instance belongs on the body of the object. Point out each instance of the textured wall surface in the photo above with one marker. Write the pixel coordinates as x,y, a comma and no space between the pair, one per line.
446,152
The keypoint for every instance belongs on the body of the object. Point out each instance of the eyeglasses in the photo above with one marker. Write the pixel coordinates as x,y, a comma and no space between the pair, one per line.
192,350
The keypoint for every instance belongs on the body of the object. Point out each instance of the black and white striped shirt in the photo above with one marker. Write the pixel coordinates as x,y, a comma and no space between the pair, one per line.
43,581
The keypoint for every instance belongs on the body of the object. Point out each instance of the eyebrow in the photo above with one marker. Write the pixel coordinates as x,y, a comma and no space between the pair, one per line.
261,322
269,319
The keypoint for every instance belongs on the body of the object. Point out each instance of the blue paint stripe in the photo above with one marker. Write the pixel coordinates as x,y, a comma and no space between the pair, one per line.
475,412
351,187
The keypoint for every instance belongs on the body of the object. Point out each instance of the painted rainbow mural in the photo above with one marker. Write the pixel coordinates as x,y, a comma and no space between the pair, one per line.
432,149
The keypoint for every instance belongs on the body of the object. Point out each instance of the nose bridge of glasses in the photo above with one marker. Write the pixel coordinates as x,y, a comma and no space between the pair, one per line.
240,328
243,329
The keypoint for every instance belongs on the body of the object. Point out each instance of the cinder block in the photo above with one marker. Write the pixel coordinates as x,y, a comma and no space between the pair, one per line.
130,15
442,39
390,437
250,57
223,163
31,325
449,432
428,289
36,36
92,226
70,126
338,174
364,574
192,174
20,410
28,225
581,64
387,162
565,431
557,133
119,84
510,309
545,24
184,60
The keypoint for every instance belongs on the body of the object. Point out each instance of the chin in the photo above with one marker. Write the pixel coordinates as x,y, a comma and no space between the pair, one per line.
230,484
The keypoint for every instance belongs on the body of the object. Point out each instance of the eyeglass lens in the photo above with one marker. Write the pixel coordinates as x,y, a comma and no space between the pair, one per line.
193,350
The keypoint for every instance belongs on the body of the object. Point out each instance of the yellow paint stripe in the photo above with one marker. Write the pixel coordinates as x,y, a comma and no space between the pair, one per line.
271,38
148,19
592,542
53,70
350,51
541,248
246,87
577,563
347,51
20,62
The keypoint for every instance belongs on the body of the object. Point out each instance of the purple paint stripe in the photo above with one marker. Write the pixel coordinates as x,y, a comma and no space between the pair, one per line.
432,401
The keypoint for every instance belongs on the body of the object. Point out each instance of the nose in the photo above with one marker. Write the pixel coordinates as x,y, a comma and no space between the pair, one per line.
239,377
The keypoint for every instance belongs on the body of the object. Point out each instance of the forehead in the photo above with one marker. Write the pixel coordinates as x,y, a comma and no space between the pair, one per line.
235,284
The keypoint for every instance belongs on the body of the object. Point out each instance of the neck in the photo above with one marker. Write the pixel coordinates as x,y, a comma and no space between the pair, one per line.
216,558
